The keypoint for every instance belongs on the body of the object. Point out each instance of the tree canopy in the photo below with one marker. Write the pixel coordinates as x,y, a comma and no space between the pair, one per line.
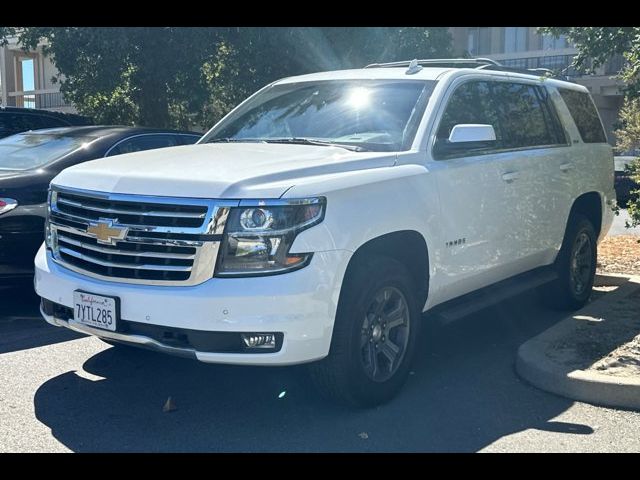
596,45
177,76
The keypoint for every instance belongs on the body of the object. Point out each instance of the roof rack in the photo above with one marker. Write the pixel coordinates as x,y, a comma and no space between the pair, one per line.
477,63
439,62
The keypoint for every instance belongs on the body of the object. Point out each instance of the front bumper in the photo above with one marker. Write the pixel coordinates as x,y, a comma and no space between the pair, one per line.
300,304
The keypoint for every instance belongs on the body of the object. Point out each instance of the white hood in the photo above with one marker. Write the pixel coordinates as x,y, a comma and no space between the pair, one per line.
219,170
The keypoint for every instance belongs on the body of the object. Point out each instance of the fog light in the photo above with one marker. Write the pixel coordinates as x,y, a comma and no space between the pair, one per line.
259,340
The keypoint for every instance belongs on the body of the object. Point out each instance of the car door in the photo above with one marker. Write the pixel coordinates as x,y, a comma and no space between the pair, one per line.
472,193
533,141
140,142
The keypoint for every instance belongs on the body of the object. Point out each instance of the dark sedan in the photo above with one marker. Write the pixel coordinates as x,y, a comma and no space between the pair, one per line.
28,163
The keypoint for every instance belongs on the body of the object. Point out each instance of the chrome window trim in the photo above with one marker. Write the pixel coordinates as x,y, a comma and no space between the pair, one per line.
148,135
280,202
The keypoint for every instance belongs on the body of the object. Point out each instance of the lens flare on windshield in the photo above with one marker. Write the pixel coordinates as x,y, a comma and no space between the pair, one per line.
359,97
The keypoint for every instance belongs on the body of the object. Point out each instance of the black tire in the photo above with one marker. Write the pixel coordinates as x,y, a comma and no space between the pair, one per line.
347,374
566,293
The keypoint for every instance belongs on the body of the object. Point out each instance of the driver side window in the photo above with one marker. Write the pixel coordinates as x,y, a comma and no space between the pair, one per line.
470,103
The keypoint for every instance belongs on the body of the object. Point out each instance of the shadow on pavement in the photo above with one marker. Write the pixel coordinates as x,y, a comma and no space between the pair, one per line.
21,326
463,395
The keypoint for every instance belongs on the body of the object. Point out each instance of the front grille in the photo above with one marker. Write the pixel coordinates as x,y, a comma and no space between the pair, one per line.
136,239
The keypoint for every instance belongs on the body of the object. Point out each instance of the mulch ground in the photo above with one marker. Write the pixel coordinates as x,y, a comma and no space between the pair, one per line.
619,254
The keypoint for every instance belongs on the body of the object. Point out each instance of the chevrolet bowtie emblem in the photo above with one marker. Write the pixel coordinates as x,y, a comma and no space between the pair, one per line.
106,233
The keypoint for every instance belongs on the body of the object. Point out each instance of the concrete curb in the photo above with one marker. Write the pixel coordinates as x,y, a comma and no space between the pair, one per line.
537,368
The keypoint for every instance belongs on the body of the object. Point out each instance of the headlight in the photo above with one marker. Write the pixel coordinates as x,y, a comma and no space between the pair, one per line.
7,204
259,234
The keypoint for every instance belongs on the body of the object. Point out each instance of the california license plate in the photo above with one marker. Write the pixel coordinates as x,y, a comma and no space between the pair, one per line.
95,310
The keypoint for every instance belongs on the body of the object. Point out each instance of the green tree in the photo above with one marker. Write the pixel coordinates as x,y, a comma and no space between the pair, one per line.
628,138
177,76
128,74
596,45
251,57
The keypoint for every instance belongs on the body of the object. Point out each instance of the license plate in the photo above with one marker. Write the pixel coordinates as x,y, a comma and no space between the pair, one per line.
95,310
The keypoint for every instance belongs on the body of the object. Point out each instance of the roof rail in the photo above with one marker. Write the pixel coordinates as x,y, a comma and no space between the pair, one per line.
543,72
478,63
439,62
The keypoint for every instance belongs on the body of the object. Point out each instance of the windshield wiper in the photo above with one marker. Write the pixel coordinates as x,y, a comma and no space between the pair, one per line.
309,141
235,140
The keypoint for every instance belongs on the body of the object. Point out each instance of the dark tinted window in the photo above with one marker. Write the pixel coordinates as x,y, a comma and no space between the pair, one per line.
470,103
523,116
188,139
144,142
16,122
585,115
50,122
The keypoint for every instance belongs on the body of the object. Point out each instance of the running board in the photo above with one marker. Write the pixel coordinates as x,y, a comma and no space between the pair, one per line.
472,302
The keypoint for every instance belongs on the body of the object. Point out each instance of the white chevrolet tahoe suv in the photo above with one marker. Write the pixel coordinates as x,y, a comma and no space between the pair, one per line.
320,218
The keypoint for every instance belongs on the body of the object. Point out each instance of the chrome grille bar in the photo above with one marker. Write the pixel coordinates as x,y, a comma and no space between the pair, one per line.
177,244
96,248
91,259
114,211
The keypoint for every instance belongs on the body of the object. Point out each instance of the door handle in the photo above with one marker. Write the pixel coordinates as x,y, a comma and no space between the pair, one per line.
565,167
510,176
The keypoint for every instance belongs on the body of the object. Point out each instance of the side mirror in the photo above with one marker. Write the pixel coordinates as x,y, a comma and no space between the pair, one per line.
464,139
472,133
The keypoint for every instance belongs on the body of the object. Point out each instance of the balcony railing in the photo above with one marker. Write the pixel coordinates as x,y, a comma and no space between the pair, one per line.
45,99
561,64
558,63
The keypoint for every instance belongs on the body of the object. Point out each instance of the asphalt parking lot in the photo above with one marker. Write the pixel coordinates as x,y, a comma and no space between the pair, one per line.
65,392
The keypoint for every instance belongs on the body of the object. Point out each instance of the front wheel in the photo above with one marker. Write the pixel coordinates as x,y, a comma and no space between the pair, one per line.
374,335
575,266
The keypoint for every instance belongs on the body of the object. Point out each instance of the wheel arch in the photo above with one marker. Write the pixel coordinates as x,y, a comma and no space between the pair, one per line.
409,247
590,205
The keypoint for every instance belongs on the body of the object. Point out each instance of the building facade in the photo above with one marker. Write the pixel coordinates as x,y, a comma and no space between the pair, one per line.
523,47
26,80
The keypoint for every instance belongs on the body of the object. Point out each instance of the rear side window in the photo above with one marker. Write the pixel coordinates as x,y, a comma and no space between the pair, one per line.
11,123
584,114
144,142
524,116
50,122
188,139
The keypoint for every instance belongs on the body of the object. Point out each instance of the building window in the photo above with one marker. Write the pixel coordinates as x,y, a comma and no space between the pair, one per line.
472,41
515,39
479,40
549,42
26,82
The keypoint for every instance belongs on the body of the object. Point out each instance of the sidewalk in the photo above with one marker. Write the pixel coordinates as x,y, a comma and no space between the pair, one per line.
593,355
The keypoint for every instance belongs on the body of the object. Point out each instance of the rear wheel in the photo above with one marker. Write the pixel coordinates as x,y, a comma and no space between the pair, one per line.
575,266
374,335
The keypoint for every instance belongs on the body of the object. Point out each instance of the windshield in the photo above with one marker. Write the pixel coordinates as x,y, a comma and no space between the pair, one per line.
26,151
377,115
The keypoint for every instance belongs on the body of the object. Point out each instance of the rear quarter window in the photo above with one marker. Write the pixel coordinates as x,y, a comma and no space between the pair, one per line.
584,115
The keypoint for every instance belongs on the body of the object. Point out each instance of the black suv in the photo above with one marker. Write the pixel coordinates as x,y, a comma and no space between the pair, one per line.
15,120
